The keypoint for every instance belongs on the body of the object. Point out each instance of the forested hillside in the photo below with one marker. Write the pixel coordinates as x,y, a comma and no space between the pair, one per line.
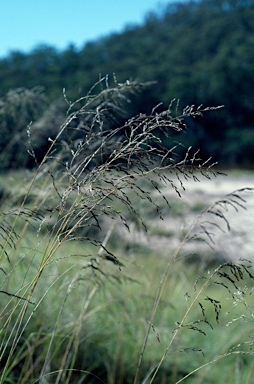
198,52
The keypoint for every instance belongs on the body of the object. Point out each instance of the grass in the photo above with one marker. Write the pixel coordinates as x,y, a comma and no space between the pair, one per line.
108,314
111,325
108,319
86,296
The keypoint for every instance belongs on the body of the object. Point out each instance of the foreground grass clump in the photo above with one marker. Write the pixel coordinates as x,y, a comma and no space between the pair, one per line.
100,324
81,301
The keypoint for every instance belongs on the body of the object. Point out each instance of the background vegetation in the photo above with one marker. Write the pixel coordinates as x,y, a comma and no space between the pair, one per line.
197,52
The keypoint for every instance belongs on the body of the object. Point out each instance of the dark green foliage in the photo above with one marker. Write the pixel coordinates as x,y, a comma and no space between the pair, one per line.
18,109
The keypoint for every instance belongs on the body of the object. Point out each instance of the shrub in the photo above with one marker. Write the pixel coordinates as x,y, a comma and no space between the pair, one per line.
18,109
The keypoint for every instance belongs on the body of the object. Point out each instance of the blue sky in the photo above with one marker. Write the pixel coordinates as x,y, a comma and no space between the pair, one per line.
25,24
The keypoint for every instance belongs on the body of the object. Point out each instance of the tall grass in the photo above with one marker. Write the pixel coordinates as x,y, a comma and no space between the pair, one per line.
81,304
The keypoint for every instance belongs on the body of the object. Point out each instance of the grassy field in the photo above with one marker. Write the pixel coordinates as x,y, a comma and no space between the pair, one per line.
85,309
115,268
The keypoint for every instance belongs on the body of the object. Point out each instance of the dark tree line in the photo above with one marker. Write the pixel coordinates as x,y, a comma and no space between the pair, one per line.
200,52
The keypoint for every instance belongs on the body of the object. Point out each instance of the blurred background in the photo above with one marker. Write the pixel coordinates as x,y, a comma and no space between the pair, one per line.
197,52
